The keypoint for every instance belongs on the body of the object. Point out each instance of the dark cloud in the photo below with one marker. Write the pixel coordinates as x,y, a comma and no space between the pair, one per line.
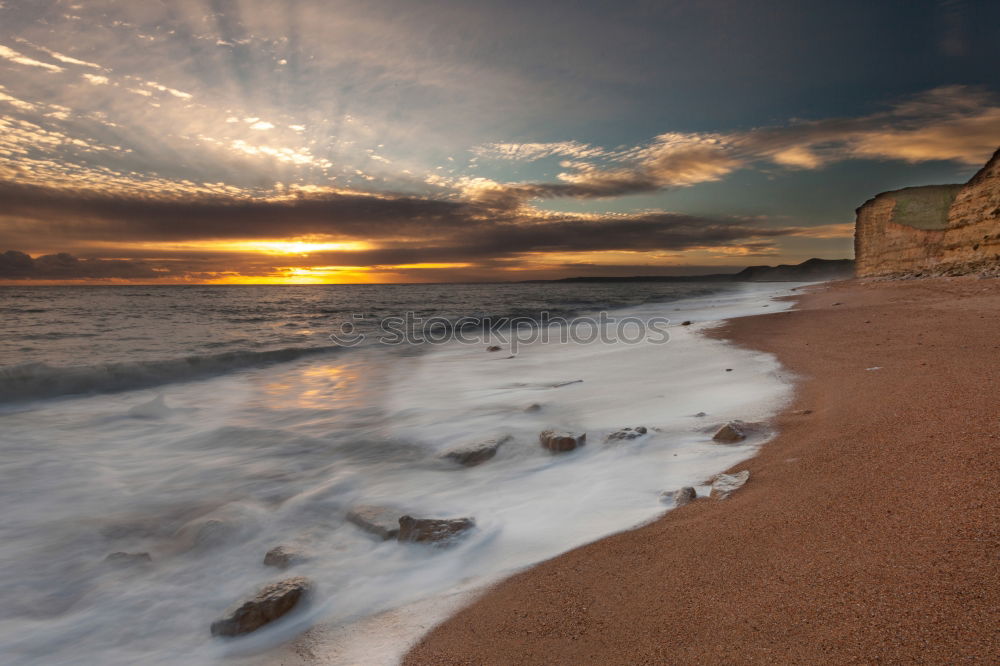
98,216
492,235
404,229
16,265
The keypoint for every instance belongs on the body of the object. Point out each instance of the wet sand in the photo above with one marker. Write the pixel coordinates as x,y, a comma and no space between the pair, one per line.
868,532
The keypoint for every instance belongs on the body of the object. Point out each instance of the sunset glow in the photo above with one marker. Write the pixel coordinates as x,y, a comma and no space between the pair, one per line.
142,142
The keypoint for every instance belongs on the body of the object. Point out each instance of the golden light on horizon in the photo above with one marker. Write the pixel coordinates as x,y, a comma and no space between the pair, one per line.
307,275
302,245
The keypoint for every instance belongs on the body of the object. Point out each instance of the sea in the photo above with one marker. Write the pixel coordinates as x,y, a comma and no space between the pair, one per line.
205,425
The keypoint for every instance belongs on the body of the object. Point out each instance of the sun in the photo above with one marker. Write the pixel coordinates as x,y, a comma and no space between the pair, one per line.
303,246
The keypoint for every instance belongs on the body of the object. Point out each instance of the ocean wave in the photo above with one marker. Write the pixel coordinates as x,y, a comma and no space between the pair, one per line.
33,381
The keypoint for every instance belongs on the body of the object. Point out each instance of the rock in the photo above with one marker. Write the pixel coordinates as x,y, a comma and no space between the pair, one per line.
433,530
282,557
381,521
725,485
803,412
729,369
533,407
627,433
476,454
732,432
686,323
270,603
494,348
680,497
700,415
128,559
559,442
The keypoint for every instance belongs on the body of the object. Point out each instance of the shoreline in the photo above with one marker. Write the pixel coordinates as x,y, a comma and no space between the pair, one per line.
865,532
601,490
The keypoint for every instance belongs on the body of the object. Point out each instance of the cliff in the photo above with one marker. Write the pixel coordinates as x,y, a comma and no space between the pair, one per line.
932,230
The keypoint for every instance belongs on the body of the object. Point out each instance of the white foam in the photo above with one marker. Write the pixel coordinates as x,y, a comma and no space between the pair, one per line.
241,463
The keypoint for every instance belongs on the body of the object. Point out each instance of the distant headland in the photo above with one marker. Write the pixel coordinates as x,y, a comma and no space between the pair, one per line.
811,270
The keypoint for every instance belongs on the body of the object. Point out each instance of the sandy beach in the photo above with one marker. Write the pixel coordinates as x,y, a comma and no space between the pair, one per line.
869,530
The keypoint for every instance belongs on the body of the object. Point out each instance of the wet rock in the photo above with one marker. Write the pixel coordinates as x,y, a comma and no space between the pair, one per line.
732,432
494,348
282,557
559,442
680,497
476,454
627,433
381,521
533,407
270,603
700,415
686,323
433,530
725,485
803,412
124,559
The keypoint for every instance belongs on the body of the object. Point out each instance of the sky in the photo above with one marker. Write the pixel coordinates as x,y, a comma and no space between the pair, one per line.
341,141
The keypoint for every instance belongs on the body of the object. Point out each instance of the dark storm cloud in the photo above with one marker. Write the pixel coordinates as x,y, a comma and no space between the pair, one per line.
16,265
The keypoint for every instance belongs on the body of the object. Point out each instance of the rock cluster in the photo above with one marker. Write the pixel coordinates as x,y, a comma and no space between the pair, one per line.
279,598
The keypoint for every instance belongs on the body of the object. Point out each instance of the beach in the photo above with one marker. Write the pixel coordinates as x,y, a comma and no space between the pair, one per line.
194,455
868,531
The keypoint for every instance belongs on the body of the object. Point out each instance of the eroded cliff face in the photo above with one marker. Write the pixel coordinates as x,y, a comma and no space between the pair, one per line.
934,230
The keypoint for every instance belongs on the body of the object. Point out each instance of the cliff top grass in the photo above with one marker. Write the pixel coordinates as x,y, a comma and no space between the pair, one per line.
924,207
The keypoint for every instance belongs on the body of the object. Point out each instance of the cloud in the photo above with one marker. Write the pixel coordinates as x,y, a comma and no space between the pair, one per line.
173,91
14,56
16,265
69,60
395,230
529,152
87,214
955,123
